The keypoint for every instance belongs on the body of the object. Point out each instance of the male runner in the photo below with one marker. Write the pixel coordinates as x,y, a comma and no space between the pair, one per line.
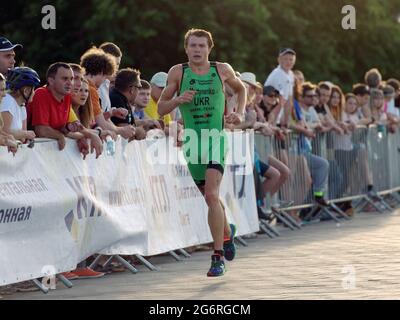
199,85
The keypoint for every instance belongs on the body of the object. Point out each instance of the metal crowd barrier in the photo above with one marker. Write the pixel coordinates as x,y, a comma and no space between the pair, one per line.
368,156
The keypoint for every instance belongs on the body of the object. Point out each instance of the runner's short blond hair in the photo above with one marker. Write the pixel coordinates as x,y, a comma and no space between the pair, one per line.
199,33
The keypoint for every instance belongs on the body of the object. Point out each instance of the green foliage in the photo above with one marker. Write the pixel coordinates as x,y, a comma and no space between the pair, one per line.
247,34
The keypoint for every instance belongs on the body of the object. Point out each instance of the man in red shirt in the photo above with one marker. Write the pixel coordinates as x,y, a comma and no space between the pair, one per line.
50,108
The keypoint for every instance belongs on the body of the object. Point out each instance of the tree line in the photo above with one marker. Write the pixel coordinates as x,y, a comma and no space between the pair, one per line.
247,34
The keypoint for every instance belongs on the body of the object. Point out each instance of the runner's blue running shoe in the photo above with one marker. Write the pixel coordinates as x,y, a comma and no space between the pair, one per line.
229,245
217,266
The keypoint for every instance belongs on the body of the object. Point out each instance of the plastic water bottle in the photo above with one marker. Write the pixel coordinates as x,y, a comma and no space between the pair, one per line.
110,146
381,131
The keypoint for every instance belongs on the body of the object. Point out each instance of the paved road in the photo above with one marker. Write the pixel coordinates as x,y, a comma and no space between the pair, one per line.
354,260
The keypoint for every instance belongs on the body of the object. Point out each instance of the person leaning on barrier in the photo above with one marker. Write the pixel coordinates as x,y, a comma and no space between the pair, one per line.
336,107
258,98
269,103
6,139
343,152
98,65
158,82
123,95
324,92
377,102
50,109
252,87
307,123
250,115
85,113
21,83
82,108
141,101
361,91
269,108
396,85
354,117
392,113
250,120
274,171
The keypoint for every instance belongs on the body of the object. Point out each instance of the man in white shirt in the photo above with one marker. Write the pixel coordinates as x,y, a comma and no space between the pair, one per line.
282,78
7,55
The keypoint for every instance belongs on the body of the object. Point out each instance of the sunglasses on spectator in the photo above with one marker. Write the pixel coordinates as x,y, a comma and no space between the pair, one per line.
272,95
311,95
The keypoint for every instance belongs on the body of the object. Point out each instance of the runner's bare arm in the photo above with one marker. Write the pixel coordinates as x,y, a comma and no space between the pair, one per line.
167,101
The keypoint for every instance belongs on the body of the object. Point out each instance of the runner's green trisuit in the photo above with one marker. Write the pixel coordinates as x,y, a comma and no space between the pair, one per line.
203,148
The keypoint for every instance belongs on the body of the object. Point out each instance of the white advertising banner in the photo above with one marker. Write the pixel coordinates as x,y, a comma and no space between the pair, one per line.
56,209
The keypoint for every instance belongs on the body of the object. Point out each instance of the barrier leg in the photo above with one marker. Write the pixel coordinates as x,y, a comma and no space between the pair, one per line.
370,201
126,264
385,204
266,230
108,261
95,262
241,241
65,281
282,219
338,210
364,201
174,255
391,200
330,213
186,255
271,228
146,263
396,196
40,286
313,212
358,206
290,219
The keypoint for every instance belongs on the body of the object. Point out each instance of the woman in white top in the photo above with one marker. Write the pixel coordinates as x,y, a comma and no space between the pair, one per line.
21,82
6,139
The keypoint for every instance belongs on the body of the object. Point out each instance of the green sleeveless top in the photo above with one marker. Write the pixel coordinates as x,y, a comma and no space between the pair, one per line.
206,111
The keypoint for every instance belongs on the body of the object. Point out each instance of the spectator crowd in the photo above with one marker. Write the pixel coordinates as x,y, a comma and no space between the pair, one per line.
94,100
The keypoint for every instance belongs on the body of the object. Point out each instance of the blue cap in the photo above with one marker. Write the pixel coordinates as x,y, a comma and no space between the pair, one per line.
6,44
